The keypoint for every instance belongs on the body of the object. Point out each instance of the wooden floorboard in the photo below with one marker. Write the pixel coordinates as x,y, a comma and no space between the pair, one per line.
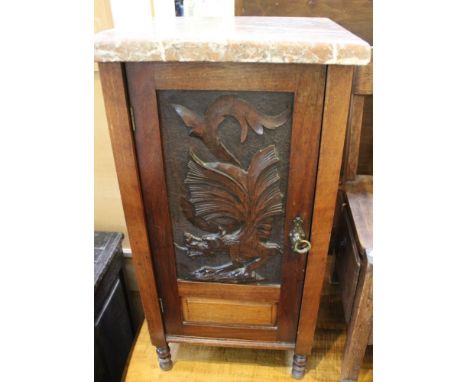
205,364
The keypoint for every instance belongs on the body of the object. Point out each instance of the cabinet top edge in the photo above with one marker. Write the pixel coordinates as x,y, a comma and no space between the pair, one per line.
302,40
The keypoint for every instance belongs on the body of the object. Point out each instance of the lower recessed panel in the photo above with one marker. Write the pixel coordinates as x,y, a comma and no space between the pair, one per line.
228,312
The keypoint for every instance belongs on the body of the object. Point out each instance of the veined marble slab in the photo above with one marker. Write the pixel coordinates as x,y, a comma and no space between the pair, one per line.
236,39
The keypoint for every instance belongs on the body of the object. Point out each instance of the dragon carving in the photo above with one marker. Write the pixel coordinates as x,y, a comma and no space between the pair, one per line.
236,207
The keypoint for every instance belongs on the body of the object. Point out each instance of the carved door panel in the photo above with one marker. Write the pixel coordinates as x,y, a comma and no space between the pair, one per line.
227,157
229,164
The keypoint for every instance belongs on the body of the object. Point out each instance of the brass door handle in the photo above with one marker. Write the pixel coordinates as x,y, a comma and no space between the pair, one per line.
302,246
297,237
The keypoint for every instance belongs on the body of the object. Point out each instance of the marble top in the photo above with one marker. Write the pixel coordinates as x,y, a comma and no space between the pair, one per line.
236,39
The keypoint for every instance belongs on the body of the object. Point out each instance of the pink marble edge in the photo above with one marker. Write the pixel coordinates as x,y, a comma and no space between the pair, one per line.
237,39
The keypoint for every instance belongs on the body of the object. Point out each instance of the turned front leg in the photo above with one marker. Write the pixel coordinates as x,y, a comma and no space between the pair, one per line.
298,369
164,357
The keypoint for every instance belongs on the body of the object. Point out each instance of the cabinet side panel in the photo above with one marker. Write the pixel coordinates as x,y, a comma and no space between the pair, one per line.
120,128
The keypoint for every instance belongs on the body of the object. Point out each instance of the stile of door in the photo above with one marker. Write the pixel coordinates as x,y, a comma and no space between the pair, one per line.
227,157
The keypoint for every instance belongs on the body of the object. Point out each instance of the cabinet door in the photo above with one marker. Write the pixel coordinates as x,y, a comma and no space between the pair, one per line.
227,156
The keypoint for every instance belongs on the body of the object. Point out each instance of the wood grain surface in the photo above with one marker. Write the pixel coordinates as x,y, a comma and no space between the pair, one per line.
307,82
360,327
241,332
366,149
198,363
353,138
354,15
224,311
232,76
359,196
363,79
335,114
357,156
305,143
120,129
231,343
259,293
348,262
148,143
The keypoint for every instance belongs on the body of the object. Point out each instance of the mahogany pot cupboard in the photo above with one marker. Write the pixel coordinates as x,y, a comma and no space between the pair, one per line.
227,137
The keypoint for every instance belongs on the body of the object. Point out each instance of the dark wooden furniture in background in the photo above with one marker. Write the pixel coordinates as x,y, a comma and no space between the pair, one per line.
113,330
355,160
355,272
354,15
219,221
353,235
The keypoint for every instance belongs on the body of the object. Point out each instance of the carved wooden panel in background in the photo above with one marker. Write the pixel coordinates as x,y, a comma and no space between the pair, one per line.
226,191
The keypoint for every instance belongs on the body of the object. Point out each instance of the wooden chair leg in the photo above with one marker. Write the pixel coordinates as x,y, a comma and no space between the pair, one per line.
360,326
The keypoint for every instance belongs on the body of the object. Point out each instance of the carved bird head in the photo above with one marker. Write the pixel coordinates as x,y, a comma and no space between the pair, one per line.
192,120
